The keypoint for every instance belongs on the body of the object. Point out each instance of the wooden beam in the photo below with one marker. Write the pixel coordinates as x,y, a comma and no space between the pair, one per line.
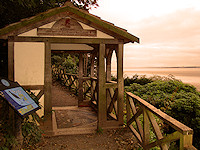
134,111
137,135
120,81
135,116
156,128
71,51
168,139
102,106
39,95
113,98
64,40
33,87
111,85
47,89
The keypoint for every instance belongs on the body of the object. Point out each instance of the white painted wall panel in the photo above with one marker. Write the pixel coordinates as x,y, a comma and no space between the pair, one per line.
29,63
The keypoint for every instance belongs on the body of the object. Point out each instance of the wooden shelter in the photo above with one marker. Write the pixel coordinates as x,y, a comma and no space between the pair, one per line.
31,41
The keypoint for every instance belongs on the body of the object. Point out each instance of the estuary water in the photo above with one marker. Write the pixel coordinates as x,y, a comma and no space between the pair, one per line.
187,75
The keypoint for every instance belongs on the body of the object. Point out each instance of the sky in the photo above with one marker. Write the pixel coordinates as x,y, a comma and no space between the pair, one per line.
169,30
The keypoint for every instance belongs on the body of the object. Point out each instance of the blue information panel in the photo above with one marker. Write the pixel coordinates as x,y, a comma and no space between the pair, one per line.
18,98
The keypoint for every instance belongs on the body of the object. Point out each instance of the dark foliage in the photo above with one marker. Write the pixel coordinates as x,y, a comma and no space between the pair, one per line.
66,61
142,80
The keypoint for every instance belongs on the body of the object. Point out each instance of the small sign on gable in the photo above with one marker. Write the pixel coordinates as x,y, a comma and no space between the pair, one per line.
66,27
17,97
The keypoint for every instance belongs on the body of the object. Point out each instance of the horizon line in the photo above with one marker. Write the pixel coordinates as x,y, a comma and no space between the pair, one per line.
160,67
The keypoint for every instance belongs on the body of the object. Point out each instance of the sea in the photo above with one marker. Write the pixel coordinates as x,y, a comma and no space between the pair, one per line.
190,75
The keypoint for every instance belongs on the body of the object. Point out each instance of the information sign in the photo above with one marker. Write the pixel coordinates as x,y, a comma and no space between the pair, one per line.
17,97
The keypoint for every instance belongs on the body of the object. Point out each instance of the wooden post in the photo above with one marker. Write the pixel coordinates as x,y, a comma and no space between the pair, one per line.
10,60
120,83
85,64
108,73
14,119
18,130
11,77
80,80
102,114
186,141
92,56
108,64
47,90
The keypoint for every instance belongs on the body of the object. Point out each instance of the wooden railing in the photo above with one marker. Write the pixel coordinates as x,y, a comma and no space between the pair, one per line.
142,119
71,81
111,98
68,79
87,88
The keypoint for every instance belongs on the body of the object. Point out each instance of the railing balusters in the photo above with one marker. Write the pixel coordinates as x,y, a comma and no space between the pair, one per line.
182,133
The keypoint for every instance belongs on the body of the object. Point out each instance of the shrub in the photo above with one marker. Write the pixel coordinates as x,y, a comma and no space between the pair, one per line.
142,80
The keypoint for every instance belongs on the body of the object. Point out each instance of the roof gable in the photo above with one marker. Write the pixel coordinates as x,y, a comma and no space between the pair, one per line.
62,12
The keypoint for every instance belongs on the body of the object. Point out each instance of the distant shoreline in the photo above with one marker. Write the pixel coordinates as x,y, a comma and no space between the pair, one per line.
187,74
163,67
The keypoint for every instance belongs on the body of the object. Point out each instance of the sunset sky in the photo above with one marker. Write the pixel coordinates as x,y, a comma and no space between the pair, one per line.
169,30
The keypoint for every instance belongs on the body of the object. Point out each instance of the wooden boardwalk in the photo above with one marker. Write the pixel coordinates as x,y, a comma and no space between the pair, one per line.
68,118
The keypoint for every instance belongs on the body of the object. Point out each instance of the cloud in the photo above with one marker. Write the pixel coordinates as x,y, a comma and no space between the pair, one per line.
169,40
175,28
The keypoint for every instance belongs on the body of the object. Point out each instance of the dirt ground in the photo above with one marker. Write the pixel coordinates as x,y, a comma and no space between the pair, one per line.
106,139
120,139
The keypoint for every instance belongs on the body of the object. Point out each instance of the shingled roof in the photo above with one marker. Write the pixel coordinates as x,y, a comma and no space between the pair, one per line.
67,10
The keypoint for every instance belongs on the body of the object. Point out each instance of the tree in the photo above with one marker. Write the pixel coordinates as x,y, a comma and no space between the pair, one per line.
14,10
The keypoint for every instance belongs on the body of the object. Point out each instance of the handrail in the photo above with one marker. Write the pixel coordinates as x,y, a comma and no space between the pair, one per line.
182,133
72,81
